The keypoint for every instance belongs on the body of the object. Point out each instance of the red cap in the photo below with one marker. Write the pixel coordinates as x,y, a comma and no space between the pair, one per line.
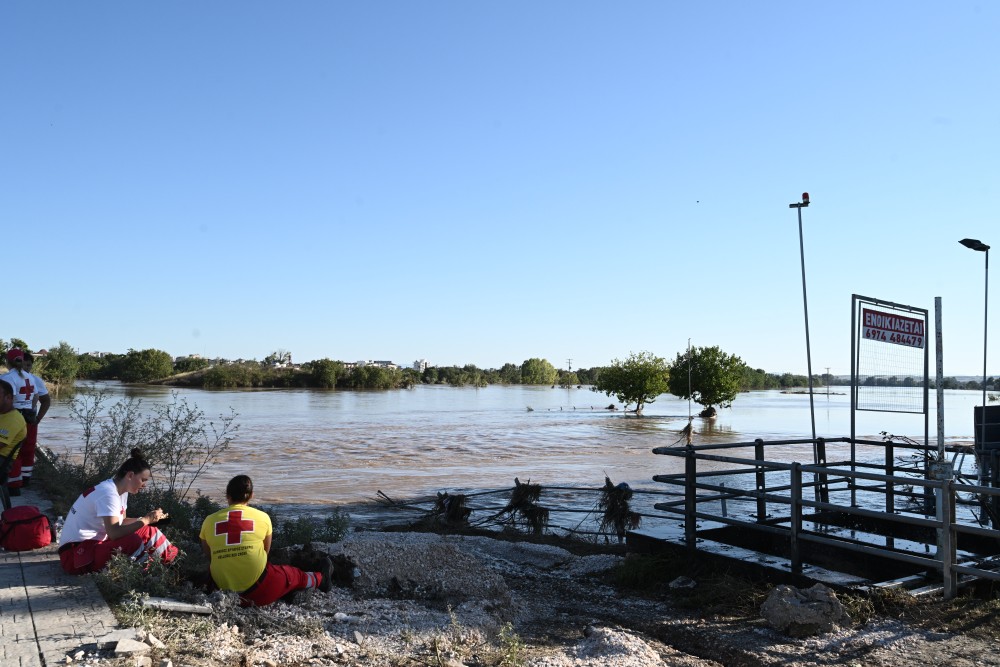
14,353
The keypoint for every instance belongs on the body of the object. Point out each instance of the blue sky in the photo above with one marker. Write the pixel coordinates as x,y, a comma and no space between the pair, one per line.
487,182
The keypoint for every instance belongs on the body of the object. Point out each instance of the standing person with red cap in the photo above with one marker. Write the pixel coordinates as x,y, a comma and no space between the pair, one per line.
26,387
29,411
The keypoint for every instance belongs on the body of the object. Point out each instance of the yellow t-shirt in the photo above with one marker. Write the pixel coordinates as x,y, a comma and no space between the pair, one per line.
12,431
236,537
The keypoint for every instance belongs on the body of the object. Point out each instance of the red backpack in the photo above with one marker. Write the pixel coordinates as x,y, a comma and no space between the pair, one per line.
24,528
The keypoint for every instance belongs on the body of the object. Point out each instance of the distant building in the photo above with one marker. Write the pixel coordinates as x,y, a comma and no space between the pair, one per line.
377,363
421,365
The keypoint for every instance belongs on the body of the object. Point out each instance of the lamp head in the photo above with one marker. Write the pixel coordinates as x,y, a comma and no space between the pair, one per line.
802,204
975,244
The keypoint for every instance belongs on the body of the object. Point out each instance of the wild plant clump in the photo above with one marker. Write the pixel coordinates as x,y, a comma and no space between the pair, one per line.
303,530
176,438
124,577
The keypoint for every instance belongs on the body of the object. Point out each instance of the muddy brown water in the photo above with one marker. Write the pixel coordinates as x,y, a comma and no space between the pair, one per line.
313,448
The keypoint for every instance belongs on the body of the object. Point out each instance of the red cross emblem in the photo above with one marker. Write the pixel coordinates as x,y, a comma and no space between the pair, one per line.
27,389
234,527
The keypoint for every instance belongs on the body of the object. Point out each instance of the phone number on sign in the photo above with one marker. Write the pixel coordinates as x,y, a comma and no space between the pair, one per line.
891,337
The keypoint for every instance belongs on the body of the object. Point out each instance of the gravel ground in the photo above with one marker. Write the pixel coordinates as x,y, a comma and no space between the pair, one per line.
426,599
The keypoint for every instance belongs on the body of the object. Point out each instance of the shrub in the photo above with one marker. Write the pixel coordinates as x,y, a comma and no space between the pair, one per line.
123,576
302,530
175,436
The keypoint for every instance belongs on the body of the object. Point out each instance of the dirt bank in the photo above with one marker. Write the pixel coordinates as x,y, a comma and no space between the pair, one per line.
427,599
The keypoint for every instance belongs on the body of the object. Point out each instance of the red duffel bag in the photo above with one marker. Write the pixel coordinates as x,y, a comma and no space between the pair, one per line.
24,528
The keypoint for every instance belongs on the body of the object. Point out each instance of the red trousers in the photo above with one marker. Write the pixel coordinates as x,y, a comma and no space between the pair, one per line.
276,582
92,555
22,467
27,456
14,478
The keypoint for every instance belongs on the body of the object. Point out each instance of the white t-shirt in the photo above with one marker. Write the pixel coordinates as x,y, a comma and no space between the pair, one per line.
26,386
86,517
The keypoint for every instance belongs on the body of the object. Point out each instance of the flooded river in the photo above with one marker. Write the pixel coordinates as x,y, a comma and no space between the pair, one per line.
315,447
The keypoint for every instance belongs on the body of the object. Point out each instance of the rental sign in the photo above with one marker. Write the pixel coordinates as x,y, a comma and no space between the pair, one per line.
890,328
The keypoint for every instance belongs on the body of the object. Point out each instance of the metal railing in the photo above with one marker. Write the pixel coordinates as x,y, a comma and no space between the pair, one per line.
855,481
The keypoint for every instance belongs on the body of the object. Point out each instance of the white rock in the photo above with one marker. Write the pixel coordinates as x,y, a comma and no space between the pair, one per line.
143,661
154,642
683,582
115,636
131,647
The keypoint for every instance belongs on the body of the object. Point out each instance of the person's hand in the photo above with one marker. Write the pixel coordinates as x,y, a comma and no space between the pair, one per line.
156,515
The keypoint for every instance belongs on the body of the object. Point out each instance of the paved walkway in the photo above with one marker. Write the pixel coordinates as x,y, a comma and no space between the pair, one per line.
45,614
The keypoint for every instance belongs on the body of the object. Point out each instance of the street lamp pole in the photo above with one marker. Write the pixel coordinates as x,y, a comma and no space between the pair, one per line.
979,246
805,307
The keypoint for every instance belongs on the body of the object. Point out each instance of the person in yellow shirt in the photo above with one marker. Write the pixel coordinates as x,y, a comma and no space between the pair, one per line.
13,430
237,540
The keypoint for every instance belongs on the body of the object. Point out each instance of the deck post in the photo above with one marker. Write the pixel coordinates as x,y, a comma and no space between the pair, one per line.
690,498
994,502
796,519
890,486
758,453
824,488
943,471
946,534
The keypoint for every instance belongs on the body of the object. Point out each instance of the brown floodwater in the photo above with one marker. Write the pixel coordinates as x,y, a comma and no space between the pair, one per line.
316,447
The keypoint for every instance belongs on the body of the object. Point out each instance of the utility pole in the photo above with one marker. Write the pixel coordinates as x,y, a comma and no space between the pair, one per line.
569,365
828,383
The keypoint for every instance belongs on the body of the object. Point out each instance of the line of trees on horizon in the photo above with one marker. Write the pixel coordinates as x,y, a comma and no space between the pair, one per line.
62,365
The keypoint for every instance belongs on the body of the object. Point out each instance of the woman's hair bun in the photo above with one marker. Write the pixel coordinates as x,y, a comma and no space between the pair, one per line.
137,453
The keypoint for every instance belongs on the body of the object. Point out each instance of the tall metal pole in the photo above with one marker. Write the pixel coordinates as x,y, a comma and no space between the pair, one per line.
939,375
805,308
979,246
986,311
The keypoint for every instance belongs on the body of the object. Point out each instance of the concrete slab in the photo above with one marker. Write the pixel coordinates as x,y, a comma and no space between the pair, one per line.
46,614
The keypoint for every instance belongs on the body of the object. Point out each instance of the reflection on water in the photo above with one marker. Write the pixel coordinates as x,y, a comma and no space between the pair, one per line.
313,446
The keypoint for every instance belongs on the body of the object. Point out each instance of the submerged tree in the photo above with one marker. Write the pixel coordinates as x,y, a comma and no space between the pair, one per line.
145,365
60,366
708,376
538,371
639,379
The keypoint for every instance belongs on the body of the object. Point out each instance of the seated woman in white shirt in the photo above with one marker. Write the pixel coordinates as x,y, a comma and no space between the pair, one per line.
97,525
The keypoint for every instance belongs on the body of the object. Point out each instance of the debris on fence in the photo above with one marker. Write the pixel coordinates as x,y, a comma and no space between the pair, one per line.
614,503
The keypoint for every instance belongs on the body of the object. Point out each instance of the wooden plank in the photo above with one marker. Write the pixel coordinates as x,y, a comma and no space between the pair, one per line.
166,604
